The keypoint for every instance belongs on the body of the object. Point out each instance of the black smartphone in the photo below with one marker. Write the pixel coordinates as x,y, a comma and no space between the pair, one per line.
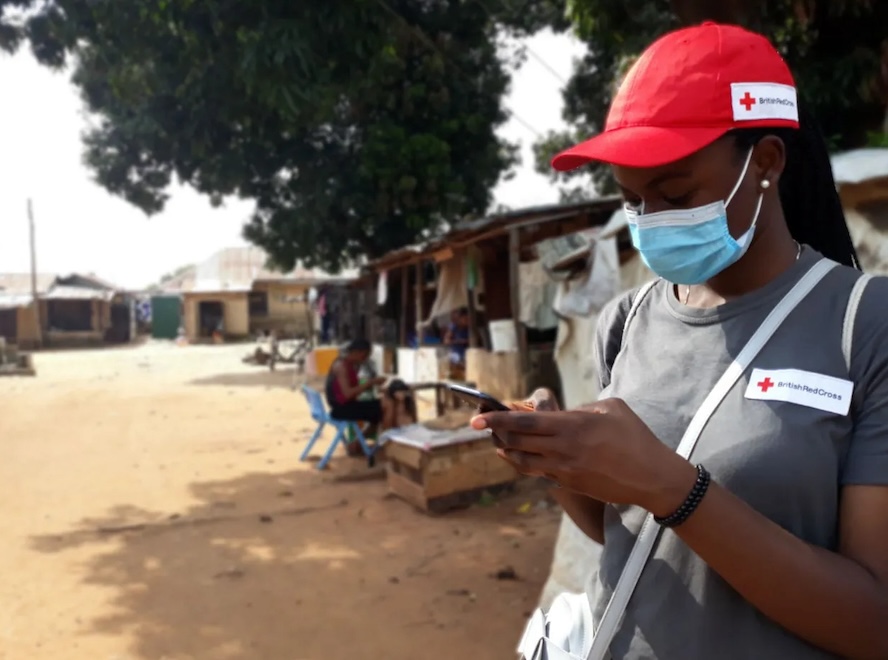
484,402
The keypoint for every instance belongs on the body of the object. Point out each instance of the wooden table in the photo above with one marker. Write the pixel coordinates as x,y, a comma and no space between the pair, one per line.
441,470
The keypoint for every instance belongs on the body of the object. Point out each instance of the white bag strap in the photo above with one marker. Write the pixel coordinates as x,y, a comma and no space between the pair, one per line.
851,317
636,303
650,530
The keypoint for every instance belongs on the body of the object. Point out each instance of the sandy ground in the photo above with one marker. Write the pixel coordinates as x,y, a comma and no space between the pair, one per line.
152,506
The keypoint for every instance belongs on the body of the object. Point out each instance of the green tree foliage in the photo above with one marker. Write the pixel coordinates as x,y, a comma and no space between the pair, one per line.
355,126
838,50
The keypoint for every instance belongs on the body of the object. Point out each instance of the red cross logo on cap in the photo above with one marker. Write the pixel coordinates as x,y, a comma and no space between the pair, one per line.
765,384
747,101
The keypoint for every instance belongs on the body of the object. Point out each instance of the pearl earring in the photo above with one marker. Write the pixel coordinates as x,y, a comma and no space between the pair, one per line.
766,184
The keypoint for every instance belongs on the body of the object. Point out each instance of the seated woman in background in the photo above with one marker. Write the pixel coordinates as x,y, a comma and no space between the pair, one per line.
343,389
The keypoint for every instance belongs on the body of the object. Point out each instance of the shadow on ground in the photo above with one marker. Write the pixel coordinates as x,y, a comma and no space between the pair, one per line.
262,377
299,566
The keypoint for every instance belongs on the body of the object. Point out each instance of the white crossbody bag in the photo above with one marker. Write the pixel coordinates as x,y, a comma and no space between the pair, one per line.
566,631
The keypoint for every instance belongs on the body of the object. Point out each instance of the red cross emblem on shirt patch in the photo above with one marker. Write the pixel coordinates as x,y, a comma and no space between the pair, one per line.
765,385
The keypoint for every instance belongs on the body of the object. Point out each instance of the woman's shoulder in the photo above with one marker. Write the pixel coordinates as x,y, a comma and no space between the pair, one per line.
866,312
862,295
615,312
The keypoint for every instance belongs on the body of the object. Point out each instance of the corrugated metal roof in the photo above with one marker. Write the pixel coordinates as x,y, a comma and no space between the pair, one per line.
20,283
183,281
91,279
466,233
15,288
12,300
66,292
236,269
532,212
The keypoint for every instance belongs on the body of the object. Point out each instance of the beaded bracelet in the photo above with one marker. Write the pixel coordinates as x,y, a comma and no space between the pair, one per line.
692,501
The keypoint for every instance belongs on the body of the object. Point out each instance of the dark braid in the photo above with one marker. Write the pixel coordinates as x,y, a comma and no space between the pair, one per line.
808,194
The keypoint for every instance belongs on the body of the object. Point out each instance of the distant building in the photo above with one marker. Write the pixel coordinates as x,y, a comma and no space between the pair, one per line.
233,292
73,310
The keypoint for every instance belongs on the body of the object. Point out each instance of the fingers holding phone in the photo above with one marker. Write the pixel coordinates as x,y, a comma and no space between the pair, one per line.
542,400
481,400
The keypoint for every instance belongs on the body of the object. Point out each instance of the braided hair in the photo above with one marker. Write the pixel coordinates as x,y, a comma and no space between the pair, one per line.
811,204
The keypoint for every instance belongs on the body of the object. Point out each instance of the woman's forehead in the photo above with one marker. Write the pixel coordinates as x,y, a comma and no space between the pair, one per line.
709,162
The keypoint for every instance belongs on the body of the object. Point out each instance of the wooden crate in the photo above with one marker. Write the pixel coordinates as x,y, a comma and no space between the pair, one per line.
445,477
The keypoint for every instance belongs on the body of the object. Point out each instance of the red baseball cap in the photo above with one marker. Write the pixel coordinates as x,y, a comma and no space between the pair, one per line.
686,90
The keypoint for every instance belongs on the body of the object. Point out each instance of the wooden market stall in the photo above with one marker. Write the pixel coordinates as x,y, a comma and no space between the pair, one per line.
478,265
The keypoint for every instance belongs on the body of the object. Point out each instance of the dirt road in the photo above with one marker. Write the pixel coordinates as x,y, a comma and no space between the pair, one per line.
153,508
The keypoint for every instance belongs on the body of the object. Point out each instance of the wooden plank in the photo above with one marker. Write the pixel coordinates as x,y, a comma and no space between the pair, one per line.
473,321
406,489
470,297
515,296
370,310
444,254
415,495
409,473
447,475
466,470
405,288
412,456
418,293
498,374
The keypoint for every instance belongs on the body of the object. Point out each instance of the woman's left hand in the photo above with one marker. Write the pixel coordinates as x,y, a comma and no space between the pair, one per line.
603,451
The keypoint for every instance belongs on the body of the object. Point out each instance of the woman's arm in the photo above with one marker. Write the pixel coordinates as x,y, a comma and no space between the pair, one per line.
349,391
836,601
587,514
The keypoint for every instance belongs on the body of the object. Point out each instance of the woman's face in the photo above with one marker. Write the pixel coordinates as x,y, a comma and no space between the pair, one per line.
707,176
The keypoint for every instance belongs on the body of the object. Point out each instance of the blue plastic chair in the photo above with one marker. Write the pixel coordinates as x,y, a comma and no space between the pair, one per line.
320,414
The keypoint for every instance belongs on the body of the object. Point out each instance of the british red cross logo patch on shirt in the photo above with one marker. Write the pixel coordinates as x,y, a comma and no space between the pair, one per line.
803,388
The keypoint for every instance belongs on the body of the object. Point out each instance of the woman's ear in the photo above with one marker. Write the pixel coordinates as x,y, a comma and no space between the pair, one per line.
769,160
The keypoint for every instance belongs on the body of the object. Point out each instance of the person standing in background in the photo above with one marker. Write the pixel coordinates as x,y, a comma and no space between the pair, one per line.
457,339
322,310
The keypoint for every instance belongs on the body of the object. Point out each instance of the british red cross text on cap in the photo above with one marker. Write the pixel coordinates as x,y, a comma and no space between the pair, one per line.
736,78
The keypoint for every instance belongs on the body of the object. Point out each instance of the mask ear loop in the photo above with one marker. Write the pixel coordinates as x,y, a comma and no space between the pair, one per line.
740,179
747,235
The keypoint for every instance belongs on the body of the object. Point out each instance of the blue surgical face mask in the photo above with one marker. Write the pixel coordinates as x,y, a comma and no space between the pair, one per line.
690,246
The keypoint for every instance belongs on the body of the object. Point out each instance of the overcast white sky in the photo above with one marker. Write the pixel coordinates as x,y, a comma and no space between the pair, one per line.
82,228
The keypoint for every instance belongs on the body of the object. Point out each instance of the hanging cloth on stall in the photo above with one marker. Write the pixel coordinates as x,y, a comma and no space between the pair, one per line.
382,289
452,287
538,292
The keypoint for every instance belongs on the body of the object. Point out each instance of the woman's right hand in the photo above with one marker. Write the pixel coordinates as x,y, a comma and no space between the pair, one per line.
542,400
586,513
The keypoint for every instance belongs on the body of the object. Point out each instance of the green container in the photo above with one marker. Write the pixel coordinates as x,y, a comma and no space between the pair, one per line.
166,316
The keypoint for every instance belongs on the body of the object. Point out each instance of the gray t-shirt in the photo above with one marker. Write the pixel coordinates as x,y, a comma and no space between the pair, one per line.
786,460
